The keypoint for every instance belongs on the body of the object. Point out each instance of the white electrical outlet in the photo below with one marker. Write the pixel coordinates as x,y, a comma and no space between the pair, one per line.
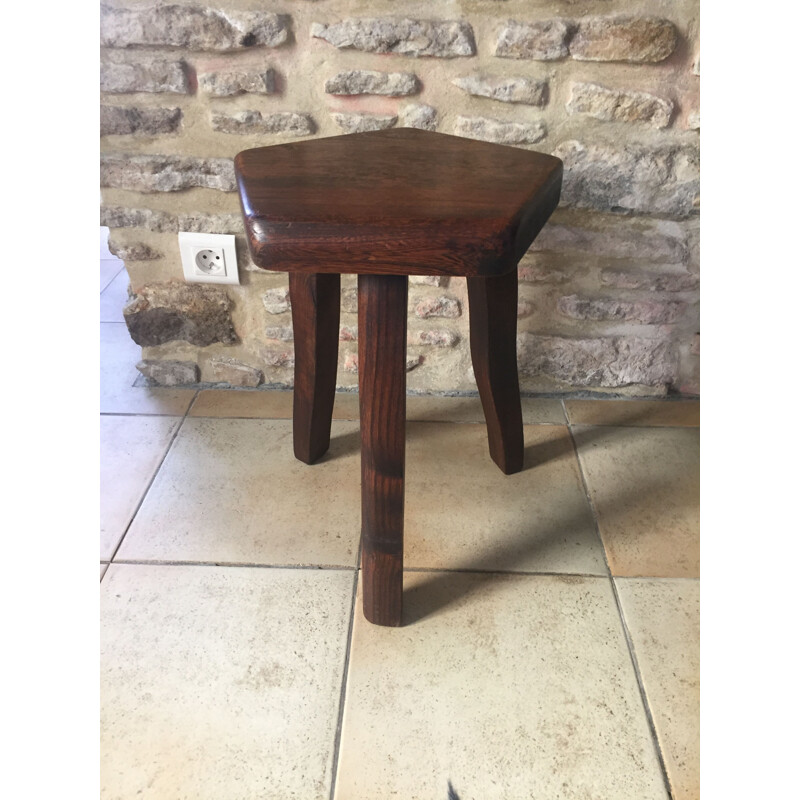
208,257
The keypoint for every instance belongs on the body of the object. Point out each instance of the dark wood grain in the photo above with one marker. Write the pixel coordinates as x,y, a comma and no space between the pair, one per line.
399,201
493,343
315,320
382,315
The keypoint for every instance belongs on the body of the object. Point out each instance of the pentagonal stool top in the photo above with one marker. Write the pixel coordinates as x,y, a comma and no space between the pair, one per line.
399,201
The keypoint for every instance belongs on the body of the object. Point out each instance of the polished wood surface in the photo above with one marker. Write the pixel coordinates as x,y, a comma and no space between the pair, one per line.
315,320
382,315
386,205
493,344
399,201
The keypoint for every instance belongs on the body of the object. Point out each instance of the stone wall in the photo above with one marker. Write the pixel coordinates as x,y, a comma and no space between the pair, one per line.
608,292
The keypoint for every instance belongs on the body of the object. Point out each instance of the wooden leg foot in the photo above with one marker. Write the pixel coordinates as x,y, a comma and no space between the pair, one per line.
493,343
382,315
315,320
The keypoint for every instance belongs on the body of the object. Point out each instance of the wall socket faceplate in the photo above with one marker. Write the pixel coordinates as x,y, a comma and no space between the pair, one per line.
208,257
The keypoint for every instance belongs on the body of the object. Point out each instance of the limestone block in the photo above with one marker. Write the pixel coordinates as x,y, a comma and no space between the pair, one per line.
495,130
410,37
190,27
625,38
190,312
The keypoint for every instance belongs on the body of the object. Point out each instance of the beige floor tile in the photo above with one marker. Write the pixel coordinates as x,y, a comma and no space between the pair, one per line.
243,404
109,268
463,513
262,404
113,298
672,413
508,687
663,618
220,682
131,448
645,484
278,405
103,568
231,490
118,358
535,411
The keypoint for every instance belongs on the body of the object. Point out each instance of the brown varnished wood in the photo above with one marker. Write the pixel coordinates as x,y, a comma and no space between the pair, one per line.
315,319
385,205
399,201
493,344
382,315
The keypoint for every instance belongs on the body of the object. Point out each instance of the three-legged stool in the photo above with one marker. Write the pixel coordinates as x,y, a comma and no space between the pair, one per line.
386,205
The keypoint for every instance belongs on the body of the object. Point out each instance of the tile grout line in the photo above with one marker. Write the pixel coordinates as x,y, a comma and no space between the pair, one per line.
174,436
337,740
156,562
625,631
116,275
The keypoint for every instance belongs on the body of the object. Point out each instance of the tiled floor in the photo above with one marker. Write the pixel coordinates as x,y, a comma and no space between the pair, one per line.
550,642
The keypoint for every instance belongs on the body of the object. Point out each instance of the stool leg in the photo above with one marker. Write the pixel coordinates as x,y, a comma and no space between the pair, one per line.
493,342
382,316
315,319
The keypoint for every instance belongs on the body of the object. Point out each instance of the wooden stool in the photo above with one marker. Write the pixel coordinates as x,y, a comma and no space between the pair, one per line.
386,205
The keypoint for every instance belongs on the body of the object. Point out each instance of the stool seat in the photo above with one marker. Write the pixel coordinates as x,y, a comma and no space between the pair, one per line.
398,201
386,205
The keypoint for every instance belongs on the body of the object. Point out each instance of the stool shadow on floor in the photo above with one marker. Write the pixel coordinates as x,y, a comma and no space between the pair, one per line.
439,590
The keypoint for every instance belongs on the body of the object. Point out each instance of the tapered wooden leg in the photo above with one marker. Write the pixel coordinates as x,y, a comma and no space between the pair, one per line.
493,342
315,319
382,314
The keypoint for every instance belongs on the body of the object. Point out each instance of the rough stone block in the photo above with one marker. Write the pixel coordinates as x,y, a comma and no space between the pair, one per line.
120,217
437,337
494,130
166,173
669,282
236,373
277,301
156,75
368,81
541,41
646,312
286,123
277,357
534,273
410,37
693,121
524,308
635,39
190,27
664,244
353,122
428,280
127,120
211,223
229,82
133,251
604,361
349,301
280,334
615,105
442,306
419,116
351,363
661,180
506,90
170,373
190,312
